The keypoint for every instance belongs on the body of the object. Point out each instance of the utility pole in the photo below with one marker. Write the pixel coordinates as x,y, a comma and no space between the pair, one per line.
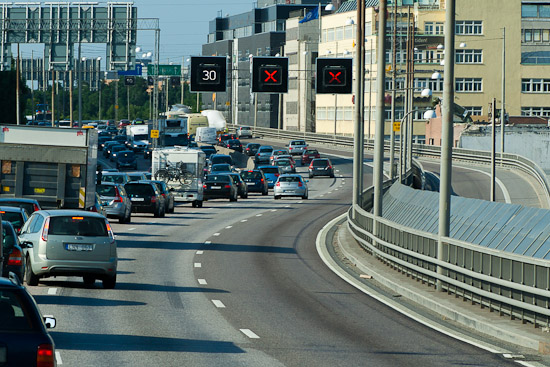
446,136
493,146
393,92
71,117
53,97
17,103
116,100
32,86
182,78
503,106
79,84
358,143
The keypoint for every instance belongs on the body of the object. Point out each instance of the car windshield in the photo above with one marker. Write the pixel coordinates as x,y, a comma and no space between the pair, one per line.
13,315
106,190
139,190
252,146
245,128
77,226
289,179
320,163
113,178
270,169
118,148
221,159
251,174
16,219
218,178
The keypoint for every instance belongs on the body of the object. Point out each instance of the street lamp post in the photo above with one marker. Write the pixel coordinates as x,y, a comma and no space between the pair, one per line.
80,59
99,87
358,137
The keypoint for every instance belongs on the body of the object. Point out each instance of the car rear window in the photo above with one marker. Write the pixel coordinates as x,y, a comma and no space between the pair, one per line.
29,207
8,238
270,169
221,159
265,150
77,226
320,163
218,178
298,142
139,190
106,190
13,313
221,167
245,128
283,162
311,151
113,178
14,218
289,179
251,174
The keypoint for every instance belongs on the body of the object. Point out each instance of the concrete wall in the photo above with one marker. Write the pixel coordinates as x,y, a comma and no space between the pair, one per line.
531,142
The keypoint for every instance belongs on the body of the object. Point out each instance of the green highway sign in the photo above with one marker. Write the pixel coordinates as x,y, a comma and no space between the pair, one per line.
163,69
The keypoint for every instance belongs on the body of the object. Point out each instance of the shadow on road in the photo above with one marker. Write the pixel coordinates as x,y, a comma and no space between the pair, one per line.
118,342
212,247
165,288
83,301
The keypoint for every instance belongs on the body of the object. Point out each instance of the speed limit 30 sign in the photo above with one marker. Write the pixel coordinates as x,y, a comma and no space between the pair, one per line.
208,73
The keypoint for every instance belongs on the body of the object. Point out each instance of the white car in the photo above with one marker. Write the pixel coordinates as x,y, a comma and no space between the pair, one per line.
297,147
290,185
244,132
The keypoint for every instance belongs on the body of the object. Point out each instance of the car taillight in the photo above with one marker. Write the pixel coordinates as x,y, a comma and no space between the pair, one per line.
262,180
204,186
118,198
15,258
276,175
300,184
278,183
258,154
110,231
35,207
329,167
311,165
45,356
153,199
227,186
45,229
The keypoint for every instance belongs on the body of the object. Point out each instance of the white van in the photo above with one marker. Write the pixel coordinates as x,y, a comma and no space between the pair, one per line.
206,135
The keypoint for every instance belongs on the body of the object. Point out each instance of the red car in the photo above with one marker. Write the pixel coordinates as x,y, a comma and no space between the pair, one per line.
308,155
123,123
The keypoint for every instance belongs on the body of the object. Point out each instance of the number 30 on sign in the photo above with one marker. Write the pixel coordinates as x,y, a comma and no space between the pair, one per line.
208,74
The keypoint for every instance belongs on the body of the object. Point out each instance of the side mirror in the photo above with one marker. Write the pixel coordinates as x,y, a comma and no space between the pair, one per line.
27,244
307,180
50,322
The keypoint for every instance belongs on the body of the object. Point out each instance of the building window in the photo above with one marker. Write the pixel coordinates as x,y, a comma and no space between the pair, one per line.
349,31
368,29
436,85
535,85
330,34
339,113
321,113
528,35
535,111
469,56
475,110
535,11
348,113
433,28
468,85
330,113
469,27
339,33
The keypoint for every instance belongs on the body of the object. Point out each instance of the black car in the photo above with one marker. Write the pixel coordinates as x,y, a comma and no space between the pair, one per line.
16,216
126,159
101,141
107,147
169,200
30,205
251,149
256,181
208,150
13,252
321,167
221,158
219,186
148,152
115,149
222,139
121,139
145,198
234,144
242,187
23,335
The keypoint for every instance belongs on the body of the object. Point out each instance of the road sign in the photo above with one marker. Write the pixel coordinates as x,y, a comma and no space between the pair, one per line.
208,73
154,134
397,126
270,74
137,71
153,69
333,76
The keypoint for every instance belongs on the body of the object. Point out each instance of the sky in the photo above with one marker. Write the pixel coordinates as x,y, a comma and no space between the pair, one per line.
183,25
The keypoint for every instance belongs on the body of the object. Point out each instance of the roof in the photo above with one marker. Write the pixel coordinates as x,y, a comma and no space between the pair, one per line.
13,209
18,200
351,5
70,212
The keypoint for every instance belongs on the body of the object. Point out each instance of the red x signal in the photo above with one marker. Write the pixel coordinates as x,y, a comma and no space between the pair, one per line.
270,76
334,77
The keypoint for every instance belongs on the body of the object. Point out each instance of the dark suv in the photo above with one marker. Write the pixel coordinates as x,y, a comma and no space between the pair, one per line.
220,186
235,144
256,181
146,198
25,340
126,159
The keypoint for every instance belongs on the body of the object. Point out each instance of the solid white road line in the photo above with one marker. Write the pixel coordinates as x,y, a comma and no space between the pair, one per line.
300,202
216,234
273,210
52,291
198,265
287,206
207,242
200,252
202,281
228,227
132,229
259,215
58,358
250,333
218,303
244,220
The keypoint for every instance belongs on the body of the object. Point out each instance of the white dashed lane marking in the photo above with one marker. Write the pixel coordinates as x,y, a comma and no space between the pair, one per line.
259,215
250,333
228,227
58,358
216,234
52,291
132,229
207,242
198,265
273,210
218,303
200,252
244,220
202,281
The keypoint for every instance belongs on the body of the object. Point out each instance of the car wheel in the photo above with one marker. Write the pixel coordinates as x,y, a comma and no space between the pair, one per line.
163,213
264,193
310,175
157,213
276,197
109,282
304,197
89,280
30,277
245,196
194,204
233,198
199,204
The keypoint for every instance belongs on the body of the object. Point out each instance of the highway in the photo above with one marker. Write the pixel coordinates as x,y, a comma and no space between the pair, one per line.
241,284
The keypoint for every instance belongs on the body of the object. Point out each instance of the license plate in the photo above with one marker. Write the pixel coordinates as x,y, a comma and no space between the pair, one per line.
79,247
215,188
250,183
137,199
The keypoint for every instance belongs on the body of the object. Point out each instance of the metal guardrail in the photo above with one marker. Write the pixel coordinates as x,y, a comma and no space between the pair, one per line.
468,155
513,285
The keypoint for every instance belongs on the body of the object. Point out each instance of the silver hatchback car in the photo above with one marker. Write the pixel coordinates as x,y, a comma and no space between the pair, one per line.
290,185
116,201
69,243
